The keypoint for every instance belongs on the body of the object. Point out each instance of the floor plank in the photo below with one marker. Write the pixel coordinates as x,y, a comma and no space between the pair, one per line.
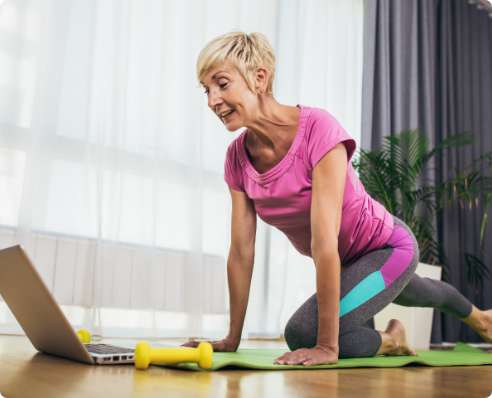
26,373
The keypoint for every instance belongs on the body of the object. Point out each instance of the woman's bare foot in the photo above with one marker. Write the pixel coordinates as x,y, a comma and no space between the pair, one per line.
398,344
480,322
485,331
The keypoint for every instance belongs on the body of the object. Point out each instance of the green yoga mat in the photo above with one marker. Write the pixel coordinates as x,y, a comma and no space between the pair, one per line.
249,358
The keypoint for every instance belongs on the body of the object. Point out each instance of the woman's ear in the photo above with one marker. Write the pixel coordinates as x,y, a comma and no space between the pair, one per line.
261,80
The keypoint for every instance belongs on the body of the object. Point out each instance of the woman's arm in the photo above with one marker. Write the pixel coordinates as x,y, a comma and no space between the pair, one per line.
239,269
241,260
326,213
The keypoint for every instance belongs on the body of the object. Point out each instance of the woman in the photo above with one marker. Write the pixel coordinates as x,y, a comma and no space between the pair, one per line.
291,166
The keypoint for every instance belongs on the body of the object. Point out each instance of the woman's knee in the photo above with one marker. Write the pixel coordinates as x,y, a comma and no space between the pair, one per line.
360,342
298,335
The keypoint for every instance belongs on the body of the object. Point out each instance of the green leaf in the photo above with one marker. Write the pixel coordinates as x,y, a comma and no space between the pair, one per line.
477,270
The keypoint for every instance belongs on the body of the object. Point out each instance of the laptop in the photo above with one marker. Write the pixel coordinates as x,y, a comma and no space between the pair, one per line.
42,319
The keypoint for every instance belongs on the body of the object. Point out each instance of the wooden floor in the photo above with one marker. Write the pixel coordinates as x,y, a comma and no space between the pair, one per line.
25,373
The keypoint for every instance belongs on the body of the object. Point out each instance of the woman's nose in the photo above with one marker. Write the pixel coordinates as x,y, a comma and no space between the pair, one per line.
214,99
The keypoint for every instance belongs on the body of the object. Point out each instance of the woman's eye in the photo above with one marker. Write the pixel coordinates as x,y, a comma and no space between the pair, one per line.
222,86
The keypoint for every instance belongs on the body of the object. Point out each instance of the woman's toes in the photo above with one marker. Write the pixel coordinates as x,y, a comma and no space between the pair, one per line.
410,351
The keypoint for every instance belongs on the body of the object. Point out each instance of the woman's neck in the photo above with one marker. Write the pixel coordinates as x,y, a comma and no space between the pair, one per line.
274,134
273,126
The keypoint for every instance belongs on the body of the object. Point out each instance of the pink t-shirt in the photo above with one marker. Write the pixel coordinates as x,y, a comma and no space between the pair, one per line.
282,195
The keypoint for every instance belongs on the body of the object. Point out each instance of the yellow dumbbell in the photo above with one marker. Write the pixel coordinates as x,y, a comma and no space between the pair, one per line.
145,355
84,336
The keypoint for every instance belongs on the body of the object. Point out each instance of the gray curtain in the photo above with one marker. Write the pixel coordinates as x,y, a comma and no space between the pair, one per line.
428,65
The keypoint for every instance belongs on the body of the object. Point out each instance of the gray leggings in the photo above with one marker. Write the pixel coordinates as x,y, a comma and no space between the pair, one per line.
369,284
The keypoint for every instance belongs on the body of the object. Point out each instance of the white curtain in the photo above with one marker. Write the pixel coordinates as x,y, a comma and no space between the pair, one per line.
111,164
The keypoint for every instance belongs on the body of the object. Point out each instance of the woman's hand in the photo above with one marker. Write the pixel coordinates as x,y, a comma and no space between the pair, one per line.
224,345
309,356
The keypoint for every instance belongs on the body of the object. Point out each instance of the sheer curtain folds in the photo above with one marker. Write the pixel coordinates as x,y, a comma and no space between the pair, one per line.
111,164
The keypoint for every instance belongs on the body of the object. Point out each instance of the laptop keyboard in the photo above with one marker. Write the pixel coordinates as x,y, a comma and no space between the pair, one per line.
107,349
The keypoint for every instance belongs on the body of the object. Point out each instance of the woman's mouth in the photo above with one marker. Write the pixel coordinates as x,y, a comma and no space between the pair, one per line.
226,115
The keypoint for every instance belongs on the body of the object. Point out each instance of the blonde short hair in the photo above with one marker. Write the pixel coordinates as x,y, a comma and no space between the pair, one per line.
245,52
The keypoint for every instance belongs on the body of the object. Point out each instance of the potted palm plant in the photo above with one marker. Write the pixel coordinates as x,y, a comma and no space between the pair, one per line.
395,175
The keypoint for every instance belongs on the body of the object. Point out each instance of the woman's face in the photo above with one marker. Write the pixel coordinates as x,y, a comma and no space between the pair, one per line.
229,97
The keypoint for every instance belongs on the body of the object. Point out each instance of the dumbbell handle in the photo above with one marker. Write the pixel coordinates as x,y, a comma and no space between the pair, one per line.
145,355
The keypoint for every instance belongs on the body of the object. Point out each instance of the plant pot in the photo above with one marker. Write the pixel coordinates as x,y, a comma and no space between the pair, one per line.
417,320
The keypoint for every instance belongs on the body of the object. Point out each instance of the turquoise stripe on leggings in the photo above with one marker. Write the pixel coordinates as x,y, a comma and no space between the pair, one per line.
367,288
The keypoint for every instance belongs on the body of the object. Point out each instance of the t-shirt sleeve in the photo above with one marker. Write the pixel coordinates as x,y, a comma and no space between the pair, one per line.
325,133
232,169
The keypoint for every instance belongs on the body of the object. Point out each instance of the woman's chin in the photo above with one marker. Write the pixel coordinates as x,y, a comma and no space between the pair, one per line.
232,126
